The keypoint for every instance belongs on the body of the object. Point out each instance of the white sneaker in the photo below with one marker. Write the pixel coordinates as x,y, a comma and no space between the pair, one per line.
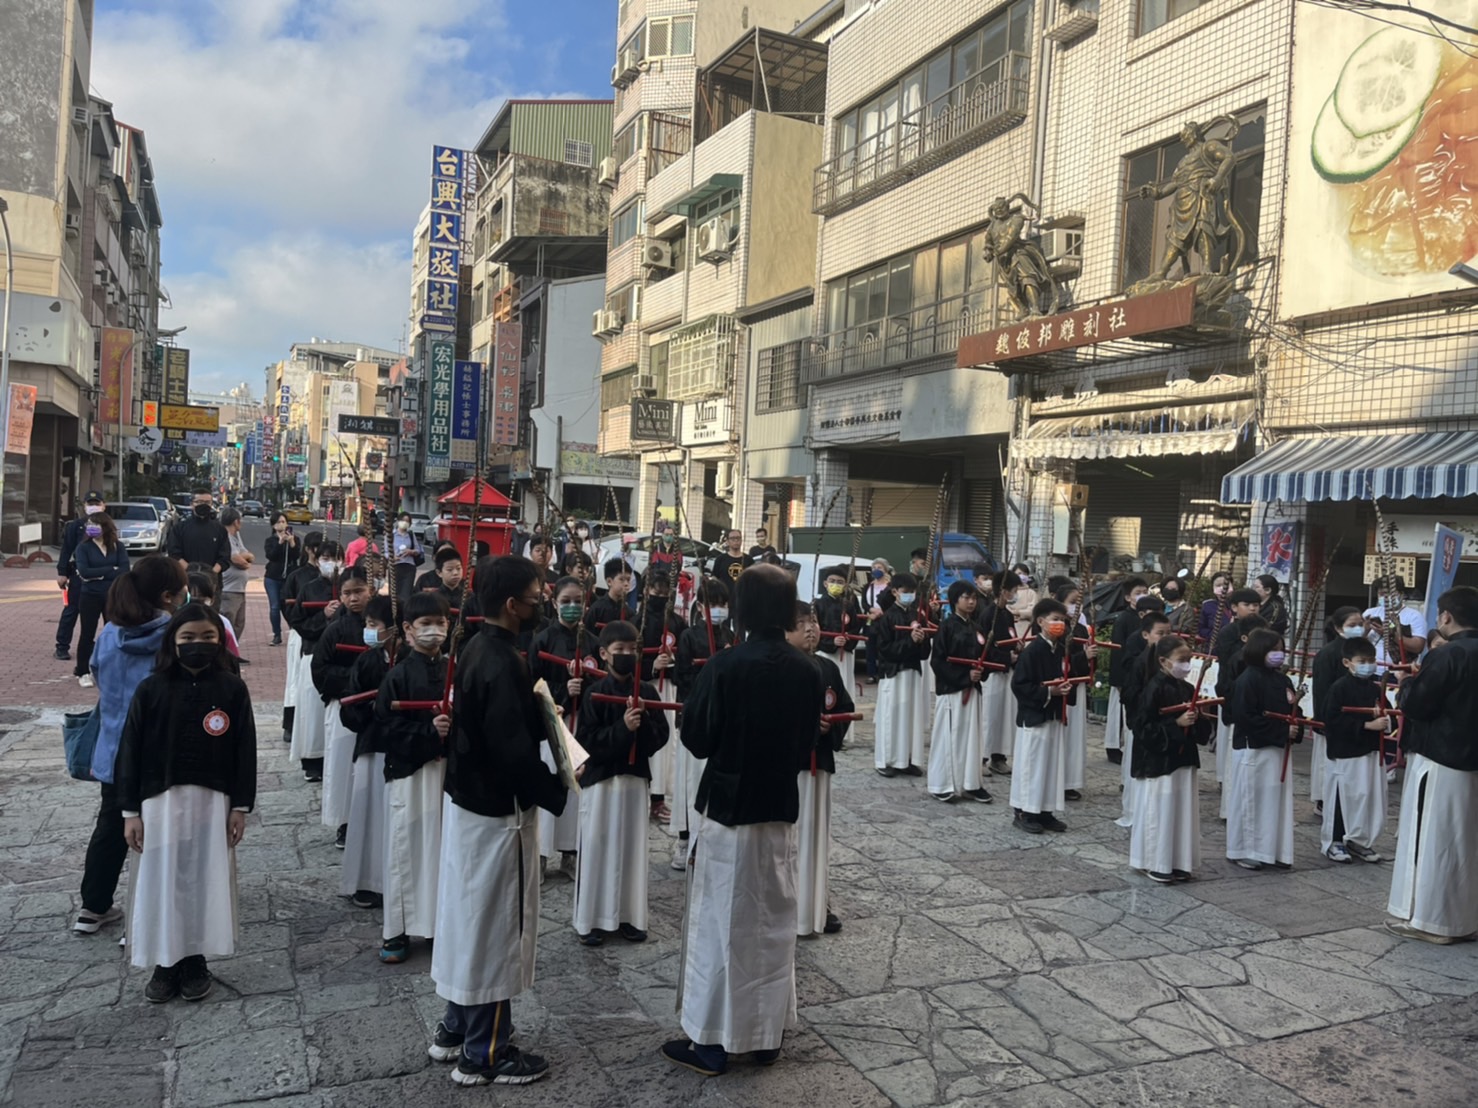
89,923
86,681
1391,776
1338,853
680,855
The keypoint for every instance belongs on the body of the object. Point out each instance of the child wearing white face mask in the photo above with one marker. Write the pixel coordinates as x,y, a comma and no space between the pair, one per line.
415,769
314,603
1354,779
1165,839
903,646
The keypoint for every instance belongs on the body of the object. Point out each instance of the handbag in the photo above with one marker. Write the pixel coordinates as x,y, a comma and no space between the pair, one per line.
80,738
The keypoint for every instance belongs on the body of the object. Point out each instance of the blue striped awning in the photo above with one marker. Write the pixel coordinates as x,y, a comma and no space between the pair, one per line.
1395,467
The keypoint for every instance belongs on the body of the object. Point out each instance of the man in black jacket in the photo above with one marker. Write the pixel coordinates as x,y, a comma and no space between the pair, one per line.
488,903
1434,889
66,573
200,537
754,714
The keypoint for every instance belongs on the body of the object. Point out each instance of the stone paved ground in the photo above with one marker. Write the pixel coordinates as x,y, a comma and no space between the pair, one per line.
977,966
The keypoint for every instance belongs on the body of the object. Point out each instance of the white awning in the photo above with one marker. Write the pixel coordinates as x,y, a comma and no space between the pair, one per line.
1211,428
1358,467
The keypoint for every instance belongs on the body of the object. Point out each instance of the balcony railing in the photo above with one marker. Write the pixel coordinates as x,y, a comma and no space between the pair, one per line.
669,138
926,333
973,112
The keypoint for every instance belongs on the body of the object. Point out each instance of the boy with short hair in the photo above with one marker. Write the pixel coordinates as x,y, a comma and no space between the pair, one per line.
415,748
1242,610
1154,624
330,669
813,826
902,647
566,638
954,750
611,873
1126,624
1354,779
660,626
1042,698
838,615
612,606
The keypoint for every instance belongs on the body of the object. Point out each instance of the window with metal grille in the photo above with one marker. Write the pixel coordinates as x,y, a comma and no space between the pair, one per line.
779,388
670,37
553,221
579,153
698,358
1147,220
626,224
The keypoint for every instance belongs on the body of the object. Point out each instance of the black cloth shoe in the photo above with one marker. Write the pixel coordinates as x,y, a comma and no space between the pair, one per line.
766,1057
445,1046
1051,822
631,933
195,978
1115,756
1160,878
1028,823
713,1060
945,797
887,771
833,925
1000,766
510,1067
164,985
593,938
364,898
912,771
1182,875
1071,794
980,796
341,835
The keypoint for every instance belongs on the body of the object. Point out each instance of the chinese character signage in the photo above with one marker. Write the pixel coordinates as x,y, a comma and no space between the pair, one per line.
1447,552
466,411
22,418
284,404
508,358
190,417
1279,543
441,378
115,370
448,206
652,420
1118,319
176,375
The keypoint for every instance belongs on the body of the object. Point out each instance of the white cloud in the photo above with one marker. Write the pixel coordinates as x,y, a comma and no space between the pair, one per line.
287,289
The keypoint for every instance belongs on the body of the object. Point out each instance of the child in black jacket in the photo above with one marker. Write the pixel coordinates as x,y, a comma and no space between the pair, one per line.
186,777
903,647
340,645
315,602
1153,625
955,744
1260,791
1042,685
362,876
564,637
1354,777
611,885
706,635
1166,838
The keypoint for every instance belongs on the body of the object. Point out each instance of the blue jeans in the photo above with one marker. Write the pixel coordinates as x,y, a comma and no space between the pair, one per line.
274,604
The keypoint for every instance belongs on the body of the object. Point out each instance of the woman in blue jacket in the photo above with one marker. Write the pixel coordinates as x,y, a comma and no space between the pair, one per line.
99,558
139,607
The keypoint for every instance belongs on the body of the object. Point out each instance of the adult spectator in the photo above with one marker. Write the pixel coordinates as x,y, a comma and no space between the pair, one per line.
66,573
1434,886
1026,598
232,603
408,554
1215,613
877,598
761,545
733,561
1412,630
1274,608
520,538
199,537
360,545
1182,616
754,715
99,558
138,610
283,554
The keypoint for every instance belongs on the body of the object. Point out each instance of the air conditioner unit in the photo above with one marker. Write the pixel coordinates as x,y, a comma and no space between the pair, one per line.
616,76
717,238
74,224
598,323
658,254
628,65
723,481
644,384
610,323
1063,248
607,172
79,115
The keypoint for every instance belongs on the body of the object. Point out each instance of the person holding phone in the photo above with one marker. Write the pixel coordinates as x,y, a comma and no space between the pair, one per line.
283,554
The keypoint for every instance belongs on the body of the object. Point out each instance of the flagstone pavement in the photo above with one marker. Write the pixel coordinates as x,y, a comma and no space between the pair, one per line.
977,966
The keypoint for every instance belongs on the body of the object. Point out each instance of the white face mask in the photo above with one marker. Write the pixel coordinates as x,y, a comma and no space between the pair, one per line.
430,637
328,569
92,509
1181,669
1355,632
719,614
1072,610
402,527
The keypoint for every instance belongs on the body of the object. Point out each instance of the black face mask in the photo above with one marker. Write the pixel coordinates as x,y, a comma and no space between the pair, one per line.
204,511
623,665
196,655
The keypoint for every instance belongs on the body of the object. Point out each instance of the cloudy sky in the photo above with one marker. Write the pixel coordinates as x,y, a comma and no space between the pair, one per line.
292,140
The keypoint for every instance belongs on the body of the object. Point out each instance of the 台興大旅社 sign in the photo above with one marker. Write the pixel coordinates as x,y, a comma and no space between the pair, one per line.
1118,319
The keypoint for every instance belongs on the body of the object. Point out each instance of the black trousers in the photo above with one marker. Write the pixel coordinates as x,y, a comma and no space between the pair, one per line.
106,852
90,611
485,1028
68,621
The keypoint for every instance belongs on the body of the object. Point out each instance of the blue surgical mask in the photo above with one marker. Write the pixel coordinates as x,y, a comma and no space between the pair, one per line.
1355,632
1364,669
371,636
877,575
906,598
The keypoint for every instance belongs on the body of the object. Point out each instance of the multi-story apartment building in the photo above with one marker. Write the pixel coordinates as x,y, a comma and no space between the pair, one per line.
319,381
718,111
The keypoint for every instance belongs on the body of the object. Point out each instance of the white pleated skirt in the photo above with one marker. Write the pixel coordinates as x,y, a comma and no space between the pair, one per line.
413,851
898,727
338,767
1129,785
1113,724
1434,884
1259,807
998,715
182,900
1036,776
309,717
487,906
739,974
611,877
558,834
687,771
294,659
955,744
1167,824
1075,748
1318,763
1223,762
1359,785
813,852
369,828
